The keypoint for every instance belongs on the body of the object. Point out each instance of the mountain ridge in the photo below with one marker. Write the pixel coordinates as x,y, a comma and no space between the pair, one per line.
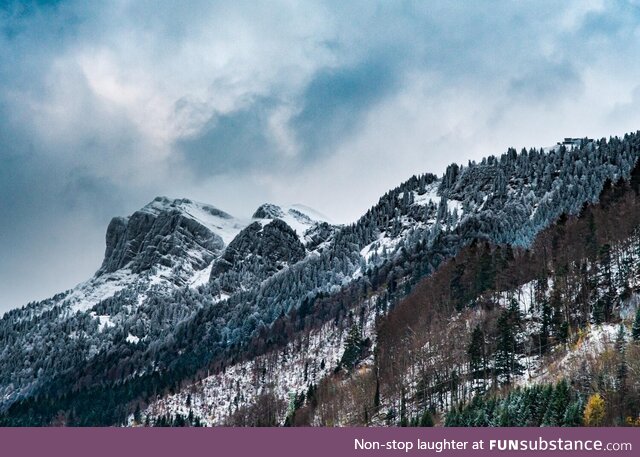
171,334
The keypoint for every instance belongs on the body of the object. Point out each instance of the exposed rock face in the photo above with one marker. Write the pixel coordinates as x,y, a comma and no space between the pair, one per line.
321,232
162,233
256,253
268,211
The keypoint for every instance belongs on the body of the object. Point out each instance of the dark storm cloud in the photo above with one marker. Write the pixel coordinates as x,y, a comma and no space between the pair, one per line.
335,101
231,143
332,106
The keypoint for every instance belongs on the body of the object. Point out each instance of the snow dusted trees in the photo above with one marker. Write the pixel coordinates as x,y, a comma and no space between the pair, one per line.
539,405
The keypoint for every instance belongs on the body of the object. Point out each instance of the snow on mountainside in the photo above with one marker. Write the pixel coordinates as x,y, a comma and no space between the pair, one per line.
276,239
180,235
183,259
502,200
165,244
299,217
285,374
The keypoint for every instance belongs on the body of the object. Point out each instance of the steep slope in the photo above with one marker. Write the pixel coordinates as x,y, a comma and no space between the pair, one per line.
256,253
149,254
276,239
179,236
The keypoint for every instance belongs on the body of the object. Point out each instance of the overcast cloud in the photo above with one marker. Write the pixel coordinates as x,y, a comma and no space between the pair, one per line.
104,105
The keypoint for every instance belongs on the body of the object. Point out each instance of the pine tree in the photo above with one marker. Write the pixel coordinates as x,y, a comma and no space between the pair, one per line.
541,402
403,410
574,416
524,417
476,353
599,311
622,369
557,408
426,420
353,349
485,277
606,284
506,362
635,330
458,294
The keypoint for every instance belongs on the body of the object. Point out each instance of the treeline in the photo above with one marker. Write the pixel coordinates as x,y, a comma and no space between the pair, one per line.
580,272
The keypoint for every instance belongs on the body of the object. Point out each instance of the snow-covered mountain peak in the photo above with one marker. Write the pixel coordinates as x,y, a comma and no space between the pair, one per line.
216,220
178,235
268,211
163,204
299,217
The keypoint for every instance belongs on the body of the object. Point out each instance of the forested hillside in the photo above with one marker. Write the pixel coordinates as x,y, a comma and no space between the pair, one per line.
508,336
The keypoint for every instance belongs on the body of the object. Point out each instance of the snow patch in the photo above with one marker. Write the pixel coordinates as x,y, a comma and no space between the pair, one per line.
104,321
89,293
201,277
299,217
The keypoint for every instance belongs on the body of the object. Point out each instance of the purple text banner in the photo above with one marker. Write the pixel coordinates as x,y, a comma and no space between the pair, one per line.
317,442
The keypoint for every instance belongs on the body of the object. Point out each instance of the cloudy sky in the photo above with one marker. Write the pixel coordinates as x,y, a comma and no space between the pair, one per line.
104,105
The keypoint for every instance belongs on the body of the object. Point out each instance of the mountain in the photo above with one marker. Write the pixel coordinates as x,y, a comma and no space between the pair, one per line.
179,237
166,247
196,317
544,315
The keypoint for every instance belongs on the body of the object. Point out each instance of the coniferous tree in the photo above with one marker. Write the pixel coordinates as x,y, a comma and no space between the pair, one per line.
635,330
574,416
426,420
506,357
557,408
353,348
476,353
606,284
622,370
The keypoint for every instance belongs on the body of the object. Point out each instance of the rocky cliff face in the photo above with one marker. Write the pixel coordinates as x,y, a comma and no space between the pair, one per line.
256,253
277,238
166,233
